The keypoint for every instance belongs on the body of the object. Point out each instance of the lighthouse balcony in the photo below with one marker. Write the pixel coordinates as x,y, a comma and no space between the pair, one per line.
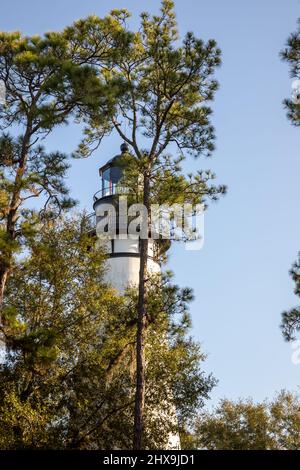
109,190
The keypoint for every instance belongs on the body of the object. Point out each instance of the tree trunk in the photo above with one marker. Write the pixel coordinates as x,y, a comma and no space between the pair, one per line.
12,215
3,278
141,330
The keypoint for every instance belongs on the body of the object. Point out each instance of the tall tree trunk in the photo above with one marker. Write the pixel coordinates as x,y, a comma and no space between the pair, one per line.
141,330
12,215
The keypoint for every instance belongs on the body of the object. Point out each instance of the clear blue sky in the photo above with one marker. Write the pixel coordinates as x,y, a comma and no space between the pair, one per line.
252,236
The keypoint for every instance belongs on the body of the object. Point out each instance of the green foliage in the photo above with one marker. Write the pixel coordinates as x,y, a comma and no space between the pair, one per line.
291,54
168,88
42,179
68,377
290,324
174,380
48,80
43,175
244,425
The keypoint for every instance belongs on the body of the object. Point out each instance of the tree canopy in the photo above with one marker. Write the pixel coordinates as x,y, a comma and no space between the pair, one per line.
245,425
48,81
67,379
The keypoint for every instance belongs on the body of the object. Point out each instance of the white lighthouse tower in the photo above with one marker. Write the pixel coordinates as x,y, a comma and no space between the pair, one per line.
123,248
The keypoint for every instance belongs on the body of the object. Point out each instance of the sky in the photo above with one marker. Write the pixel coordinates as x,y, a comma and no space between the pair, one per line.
252,235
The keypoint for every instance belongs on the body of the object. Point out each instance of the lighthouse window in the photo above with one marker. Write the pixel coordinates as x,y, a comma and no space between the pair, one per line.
110,179
115,174
106,184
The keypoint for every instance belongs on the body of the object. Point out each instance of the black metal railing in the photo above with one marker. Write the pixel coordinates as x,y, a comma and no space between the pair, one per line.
110,190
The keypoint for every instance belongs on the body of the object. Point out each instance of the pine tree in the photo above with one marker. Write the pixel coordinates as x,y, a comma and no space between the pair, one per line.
47,81
291,319
291,55
169,87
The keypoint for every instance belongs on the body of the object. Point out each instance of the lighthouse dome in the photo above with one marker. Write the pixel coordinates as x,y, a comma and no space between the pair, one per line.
111,173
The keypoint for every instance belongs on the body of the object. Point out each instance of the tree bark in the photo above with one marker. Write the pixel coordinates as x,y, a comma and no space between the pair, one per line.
12,215
141,330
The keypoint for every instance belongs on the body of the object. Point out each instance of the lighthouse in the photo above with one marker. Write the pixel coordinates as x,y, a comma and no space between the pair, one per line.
123,248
